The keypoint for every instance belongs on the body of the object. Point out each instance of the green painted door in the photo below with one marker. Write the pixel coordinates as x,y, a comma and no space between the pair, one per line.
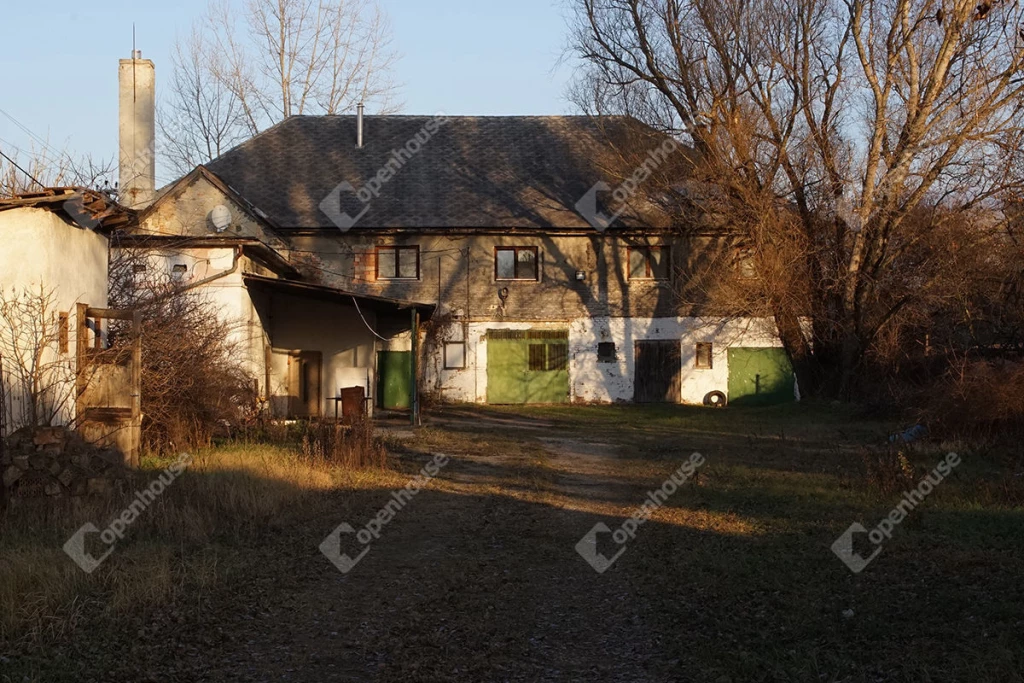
394,380
527,366
759,376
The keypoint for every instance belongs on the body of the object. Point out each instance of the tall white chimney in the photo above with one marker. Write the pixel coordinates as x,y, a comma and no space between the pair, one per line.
137,158
359,125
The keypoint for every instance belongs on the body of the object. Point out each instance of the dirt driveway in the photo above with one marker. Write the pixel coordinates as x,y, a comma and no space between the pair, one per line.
478,578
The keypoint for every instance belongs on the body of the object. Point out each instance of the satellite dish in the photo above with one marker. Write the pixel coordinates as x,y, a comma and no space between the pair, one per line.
220,218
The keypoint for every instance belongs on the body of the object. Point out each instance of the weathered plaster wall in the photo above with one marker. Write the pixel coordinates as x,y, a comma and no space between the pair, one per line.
457,271
41,247
613,382
186,210
42,250
227,295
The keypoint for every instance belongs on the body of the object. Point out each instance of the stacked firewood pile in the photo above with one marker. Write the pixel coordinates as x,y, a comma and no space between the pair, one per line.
55,462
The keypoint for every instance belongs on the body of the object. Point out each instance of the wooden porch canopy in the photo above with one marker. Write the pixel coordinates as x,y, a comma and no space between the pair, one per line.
379,304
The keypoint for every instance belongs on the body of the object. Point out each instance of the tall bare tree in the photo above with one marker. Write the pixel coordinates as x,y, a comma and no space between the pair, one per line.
236,75
839,134
201,118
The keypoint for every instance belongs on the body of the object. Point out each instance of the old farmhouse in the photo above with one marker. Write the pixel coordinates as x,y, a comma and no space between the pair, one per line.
441,255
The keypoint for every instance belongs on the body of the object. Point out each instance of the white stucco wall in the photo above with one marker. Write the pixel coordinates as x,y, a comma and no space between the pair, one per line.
602,382
226,294
40,247
41,250
612,382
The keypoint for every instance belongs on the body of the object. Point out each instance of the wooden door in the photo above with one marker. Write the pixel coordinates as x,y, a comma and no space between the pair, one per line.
305,387
394,380
658,371
108,401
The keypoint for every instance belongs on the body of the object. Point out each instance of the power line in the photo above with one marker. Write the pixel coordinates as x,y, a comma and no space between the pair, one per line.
30,176
32,135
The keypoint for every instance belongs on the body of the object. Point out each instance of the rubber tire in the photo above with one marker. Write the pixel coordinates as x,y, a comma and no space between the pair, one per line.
716,399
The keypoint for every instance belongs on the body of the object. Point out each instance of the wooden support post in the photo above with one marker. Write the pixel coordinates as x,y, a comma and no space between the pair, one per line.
136,373
414,388
81,351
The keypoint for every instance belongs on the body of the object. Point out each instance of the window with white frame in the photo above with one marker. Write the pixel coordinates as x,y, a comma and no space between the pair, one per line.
455,355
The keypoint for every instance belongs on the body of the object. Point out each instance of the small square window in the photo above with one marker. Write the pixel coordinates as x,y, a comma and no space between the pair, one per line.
606,352
455,355
704,355
398,263
746,265
650,263
516,263
179,270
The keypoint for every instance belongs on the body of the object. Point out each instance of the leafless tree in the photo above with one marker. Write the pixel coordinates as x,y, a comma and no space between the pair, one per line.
38,366
235,76
46,167
201,118
193,380
839,135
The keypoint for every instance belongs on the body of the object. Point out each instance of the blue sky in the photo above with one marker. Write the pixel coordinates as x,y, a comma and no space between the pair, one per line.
59,60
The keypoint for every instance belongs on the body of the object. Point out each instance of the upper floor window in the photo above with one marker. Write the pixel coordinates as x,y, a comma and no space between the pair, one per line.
649,263
746,266
398,263
515,263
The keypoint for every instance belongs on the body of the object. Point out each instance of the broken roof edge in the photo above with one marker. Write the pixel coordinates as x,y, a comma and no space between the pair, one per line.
299,288
89,209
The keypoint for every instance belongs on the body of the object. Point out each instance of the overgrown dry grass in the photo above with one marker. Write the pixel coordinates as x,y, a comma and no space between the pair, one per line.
180,546
733,580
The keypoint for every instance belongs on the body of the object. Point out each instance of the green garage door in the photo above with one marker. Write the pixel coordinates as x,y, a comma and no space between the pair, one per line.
527,366
759,376
394,380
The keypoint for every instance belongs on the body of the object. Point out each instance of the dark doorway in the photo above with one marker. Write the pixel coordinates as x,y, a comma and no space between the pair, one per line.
658,372
305,371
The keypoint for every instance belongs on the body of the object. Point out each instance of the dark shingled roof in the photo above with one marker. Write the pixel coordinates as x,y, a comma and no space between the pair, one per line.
475,172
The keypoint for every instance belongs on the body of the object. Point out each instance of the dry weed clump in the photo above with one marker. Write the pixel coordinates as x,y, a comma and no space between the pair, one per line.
353,446
888,470
978,399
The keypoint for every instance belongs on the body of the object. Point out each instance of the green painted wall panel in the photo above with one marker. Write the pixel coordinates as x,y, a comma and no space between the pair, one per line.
394,379
510,379
760,376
